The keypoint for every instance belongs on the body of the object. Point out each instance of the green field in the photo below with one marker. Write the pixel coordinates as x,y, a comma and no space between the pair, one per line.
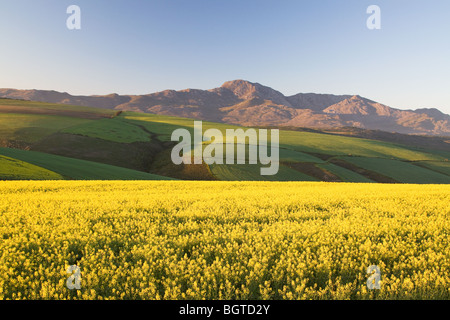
163,126
439,166
246,172
338,145
398,170
139,141
292,141
73,169
344,174
14,169
110,129
31,128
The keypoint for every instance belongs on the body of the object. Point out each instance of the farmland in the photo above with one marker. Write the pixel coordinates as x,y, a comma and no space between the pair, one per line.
14,169
223,240
142,142
30,165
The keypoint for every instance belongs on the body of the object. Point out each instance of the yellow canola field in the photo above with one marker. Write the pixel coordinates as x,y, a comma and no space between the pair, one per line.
223,240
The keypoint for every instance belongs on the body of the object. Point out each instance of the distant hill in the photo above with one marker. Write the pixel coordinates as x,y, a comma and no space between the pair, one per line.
252,104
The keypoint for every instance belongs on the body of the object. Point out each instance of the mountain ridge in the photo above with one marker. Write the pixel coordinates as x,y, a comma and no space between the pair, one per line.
246,103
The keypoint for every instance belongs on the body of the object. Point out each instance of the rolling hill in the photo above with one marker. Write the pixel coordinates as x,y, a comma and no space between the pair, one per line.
245,103
29,165
58,141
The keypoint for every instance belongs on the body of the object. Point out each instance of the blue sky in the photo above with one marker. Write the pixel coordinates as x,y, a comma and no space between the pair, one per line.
138,47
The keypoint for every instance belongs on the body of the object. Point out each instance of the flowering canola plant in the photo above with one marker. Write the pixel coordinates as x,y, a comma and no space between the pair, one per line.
223,240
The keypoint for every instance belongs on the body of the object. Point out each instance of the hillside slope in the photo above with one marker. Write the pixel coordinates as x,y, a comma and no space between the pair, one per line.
142,142
30,165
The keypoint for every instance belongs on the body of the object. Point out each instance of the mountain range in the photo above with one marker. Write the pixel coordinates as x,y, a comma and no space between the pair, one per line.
252,104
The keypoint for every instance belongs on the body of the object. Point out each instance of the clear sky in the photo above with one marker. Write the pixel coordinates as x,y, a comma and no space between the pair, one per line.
143,46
